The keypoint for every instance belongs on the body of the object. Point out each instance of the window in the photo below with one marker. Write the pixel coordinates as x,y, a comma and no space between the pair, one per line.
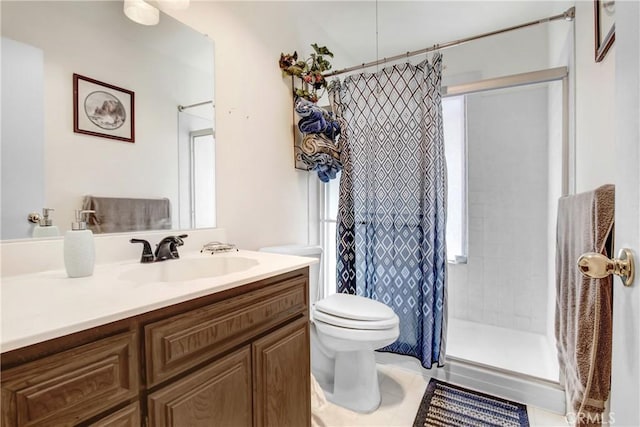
455,148
455,140
203,179
328,216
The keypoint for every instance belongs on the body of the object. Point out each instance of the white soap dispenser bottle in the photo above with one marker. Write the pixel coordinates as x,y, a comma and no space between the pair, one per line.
45,227
79,249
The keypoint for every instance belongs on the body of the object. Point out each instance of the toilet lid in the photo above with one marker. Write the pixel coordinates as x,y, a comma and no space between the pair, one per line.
354,307
368,325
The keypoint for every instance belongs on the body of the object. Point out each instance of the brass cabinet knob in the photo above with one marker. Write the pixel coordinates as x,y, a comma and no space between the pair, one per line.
597,266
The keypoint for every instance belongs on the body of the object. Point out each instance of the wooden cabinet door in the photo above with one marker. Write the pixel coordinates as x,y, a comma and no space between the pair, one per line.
281,376
217,395
181,342
70,387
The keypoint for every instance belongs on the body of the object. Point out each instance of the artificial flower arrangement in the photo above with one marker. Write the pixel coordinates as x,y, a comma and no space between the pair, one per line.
309,71
320,129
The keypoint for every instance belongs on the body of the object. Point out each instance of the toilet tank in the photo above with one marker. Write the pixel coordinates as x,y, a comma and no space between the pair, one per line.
315,290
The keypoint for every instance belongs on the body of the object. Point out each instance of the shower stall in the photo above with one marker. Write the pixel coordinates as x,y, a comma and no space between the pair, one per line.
501,286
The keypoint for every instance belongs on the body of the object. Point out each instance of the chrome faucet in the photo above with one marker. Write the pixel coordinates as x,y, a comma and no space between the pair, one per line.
168,247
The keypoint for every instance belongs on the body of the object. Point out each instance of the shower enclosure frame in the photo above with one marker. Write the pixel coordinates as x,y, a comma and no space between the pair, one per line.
515,385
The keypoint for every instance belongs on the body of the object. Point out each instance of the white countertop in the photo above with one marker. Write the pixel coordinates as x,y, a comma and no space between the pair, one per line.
41,306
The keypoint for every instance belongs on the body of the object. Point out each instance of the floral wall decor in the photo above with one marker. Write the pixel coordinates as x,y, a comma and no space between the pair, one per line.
309,71
318,148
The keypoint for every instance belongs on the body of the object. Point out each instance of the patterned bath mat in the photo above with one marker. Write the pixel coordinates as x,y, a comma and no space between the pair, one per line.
449,405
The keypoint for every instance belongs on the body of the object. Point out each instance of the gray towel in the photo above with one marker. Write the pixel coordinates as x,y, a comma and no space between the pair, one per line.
583,305
116,215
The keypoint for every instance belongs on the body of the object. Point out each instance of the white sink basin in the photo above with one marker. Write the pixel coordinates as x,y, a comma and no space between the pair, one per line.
184,270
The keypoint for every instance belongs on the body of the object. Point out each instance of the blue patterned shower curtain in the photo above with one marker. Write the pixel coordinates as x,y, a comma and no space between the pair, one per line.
391,212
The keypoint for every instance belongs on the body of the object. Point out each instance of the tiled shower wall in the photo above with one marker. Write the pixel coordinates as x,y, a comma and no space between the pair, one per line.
505,281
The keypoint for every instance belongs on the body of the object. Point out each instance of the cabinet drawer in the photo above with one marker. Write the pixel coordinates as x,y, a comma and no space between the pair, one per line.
129,416
183,341
71,386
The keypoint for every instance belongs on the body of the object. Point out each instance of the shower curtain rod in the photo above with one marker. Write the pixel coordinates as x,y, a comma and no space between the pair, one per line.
567,15
184,107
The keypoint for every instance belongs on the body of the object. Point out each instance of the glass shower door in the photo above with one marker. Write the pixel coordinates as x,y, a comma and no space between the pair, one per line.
501,300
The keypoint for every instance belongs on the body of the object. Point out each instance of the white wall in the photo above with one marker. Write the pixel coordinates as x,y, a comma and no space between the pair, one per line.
502,55
595,106
76,165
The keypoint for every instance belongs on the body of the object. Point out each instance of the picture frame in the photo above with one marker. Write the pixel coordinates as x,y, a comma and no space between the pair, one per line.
605,29
102,109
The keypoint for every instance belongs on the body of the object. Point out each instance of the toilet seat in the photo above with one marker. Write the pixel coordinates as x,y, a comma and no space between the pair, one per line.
375,337
354,307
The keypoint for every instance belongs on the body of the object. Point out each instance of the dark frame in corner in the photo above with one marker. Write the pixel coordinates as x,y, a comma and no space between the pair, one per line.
603,43
112,107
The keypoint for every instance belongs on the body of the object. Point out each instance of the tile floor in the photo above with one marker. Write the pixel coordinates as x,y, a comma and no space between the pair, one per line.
402,391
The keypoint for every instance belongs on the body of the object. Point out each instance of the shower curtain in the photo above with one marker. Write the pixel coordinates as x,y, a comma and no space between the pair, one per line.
391,211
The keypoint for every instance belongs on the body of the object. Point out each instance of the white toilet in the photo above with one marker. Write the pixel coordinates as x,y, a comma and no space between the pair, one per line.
345,331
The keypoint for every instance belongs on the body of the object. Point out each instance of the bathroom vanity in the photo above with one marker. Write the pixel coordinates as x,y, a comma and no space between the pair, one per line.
232,350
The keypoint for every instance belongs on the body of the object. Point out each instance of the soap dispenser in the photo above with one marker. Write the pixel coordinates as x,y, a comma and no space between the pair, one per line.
44,225
79,249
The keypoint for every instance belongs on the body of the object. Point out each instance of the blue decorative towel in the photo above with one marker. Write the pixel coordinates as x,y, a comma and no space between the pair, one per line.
326,172
313,123
332,130
305,107
325,165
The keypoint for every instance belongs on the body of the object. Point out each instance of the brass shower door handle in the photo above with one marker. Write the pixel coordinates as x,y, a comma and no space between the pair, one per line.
598,266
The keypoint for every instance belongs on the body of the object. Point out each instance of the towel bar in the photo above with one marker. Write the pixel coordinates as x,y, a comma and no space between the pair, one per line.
597,266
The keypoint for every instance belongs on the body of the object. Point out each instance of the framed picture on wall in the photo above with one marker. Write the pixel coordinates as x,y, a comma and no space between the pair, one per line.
605,29
102,109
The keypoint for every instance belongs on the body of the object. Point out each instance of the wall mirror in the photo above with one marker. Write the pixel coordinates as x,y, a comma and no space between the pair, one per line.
46,164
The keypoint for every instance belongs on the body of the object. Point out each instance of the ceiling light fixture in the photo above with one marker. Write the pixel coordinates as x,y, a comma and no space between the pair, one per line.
141,12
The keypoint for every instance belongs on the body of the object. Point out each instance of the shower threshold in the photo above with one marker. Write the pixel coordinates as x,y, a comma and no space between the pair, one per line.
506,349
511,364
